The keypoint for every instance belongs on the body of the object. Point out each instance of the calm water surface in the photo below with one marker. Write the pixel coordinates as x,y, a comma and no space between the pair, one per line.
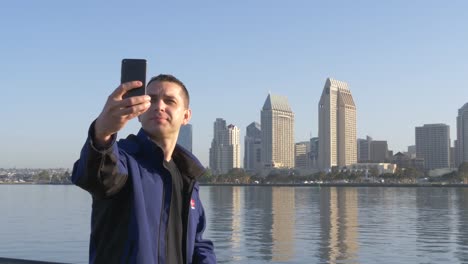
263,224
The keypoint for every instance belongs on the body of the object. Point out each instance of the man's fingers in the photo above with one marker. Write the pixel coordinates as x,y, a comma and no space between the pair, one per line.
135,100
136,114
125,87
135,109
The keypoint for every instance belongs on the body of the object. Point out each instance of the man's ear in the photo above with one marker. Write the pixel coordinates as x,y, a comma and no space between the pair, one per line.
187,116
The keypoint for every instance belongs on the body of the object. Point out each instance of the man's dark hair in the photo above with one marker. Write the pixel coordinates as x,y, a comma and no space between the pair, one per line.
172,79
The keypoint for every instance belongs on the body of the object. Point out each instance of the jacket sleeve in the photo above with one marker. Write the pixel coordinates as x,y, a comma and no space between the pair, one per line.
204,249
100,171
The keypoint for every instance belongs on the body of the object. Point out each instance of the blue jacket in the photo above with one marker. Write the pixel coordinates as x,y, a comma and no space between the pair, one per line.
130,210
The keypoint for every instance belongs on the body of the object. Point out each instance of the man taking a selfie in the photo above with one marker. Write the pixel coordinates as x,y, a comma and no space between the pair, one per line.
146,205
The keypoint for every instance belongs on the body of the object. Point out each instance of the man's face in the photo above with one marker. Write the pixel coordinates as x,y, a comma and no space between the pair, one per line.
167,112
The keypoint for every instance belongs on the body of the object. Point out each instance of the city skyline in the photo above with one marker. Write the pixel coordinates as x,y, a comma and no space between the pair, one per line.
61,60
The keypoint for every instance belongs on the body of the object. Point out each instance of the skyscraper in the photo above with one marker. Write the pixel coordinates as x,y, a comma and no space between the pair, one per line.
379,151
277,122
185,137
364,149
433,145
412,151
233,153
462,135
225,147
217,144
337,126
253,147
313,154
302,155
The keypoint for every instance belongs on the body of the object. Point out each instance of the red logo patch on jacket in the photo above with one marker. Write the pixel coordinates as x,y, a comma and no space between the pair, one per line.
192,203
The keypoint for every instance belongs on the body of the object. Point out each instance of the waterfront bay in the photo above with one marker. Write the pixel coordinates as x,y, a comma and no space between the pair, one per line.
263,224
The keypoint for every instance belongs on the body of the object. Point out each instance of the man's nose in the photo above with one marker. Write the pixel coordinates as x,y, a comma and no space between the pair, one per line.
159,105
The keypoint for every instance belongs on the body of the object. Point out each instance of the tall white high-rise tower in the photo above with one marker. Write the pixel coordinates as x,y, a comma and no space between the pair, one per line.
277,122
337,126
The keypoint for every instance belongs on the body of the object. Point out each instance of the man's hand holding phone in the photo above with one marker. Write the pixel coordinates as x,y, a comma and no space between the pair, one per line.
126,102
118,111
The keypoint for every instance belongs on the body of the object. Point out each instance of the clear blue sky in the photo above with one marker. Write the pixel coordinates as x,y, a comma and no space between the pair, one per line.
405,63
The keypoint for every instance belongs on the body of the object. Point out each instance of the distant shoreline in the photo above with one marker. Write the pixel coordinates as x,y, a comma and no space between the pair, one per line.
341,184
458,185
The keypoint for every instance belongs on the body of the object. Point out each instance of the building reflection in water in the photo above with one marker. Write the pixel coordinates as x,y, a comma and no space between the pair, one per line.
257,230
221,216
432,226
462,232
263,224
259,223
241,223
339,224
237,223
284,209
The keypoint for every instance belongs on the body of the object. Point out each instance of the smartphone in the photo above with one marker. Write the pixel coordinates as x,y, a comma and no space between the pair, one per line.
134,70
